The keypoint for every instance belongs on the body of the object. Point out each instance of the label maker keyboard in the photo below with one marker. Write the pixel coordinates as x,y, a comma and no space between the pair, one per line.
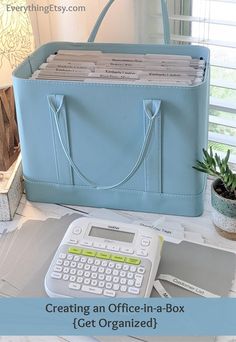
89,262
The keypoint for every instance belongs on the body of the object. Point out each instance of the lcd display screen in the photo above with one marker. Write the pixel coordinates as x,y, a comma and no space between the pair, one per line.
109,234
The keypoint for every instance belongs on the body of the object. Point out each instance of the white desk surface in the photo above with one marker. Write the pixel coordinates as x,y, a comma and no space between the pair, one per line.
203,225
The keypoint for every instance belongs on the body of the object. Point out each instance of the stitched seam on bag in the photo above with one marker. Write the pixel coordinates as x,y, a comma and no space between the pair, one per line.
69,168
113,190
54,144
35,82
160,159
145,159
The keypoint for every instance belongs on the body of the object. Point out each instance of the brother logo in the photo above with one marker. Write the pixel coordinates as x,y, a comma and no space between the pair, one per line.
114,227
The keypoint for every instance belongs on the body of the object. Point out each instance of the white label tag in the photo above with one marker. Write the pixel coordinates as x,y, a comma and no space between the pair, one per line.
187,286
79,52
117,72
173,233
112,76
160,289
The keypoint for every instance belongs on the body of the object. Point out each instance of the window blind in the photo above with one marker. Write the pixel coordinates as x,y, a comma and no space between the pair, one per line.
211,23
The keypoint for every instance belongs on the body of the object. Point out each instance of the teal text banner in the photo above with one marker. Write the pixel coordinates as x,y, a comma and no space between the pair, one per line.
149,317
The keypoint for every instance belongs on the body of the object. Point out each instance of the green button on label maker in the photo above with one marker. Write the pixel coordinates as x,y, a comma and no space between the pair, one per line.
118,258
73,250
133,261
88,253
104,255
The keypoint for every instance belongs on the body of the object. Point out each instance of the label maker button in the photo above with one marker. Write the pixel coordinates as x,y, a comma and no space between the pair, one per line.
88,253
118,258
99,245
127,250
85,243
133,261
145,242
73,250
142,252
103,255
113,248
77,230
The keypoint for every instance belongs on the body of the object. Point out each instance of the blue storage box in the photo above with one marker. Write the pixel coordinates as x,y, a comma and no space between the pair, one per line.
120,146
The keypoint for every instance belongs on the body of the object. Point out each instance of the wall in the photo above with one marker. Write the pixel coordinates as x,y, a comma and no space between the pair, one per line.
76,26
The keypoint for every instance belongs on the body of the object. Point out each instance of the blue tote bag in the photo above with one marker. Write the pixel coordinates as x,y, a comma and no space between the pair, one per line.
120,146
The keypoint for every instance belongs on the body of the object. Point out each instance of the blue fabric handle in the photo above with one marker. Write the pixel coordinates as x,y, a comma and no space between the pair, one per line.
151,110
166,23
165,19
99,21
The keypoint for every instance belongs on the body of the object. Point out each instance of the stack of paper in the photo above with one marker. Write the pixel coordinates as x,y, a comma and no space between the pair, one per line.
99,67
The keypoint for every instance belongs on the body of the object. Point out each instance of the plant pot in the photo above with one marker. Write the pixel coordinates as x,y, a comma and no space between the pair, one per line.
223,213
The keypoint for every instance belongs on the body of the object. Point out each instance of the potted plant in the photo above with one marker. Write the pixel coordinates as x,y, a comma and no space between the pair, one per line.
223,192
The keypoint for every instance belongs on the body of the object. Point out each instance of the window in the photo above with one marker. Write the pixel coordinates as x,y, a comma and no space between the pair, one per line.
212,23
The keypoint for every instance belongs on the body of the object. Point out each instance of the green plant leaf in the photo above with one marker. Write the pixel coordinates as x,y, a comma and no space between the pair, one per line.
214,165
227,157
200,169
234,183
218,161
205,152
200,164
211,152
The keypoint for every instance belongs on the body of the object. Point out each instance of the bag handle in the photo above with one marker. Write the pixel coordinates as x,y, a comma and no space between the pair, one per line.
165,19
151,110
